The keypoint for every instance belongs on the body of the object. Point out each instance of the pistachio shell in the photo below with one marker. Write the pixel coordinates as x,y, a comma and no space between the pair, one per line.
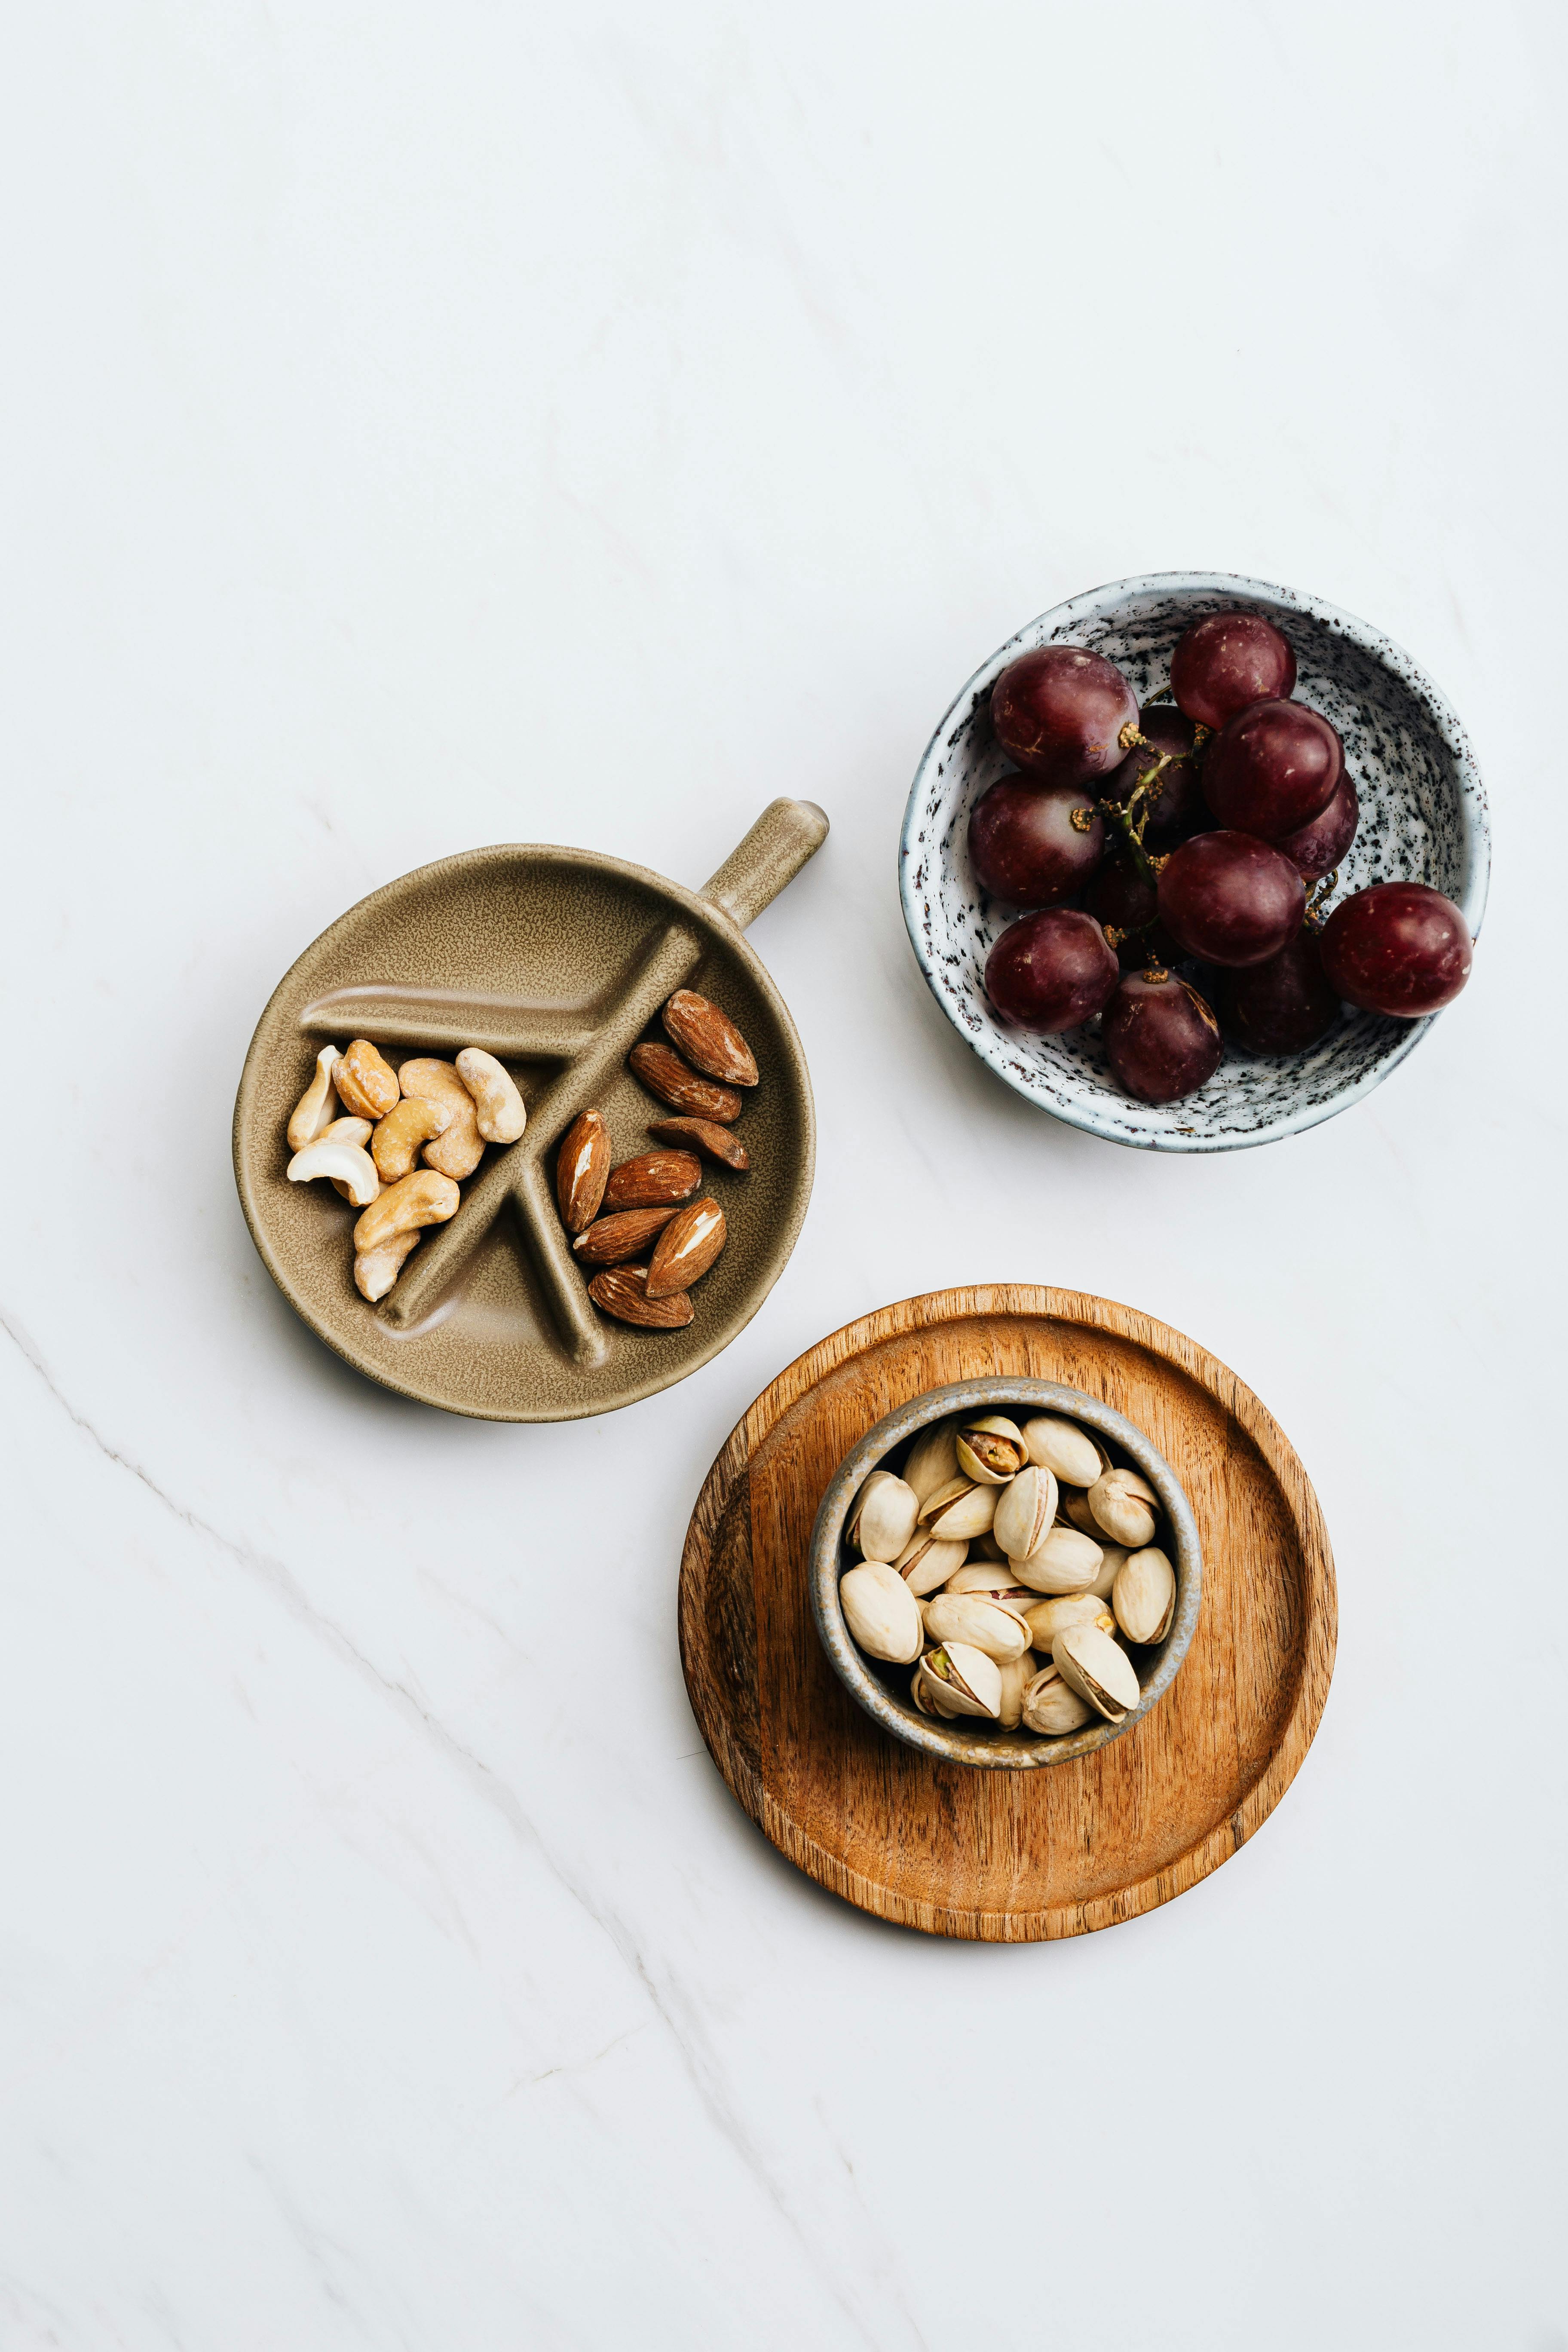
882,1519
1065,1562
1018,1674
1112,1557
1145,1598
967,1681
991,1449
1045,1619
934,1460
1061,1446
960,1510
992,1583
1051,1705
928,1561
1124,1505
881,1612
970,1617
1098,1669
1025,1511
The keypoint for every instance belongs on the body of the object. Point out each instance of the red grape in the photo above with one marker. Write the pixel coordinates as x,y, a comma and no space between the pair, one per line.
1280,1006
1049,971
1272,769
1227,661
1059,713
1123,897
1318,848
1161,1039
1230,898
1025,848
1179,799
1398,947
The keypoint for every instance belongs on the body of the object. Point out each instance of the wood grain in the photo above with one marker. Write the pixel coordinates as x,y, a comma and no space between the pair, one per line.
1009,1857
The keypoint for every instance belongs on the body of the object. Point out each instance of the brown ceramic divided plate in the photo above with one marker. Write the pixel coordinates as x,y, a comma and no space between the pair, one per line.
557,960
1008,1857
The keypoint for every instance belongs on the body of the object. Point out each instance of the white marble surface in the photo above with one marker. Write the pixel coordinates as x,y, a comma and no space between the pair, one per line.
438,425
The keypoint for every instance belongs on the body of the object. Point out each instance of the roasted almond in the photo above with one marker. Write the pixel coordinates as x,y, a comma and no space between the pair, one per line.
582,1171
709,1039
610,1239
652,1178
701,1135
664,1074
622,1291
686,1249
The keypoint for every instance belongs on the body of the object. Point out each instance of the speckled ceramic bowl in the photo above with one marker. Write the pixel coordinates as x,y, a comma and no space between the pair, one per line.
1423,819
884,1691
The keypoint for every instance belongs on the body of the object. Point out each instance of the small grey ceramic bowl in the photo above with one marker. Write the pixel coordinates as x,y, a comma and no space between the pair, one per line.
888,1701
1423,819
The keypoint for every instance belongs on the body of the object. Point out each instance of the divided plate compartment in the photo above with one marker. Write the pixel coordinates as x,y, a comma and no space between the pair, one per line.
1008,1857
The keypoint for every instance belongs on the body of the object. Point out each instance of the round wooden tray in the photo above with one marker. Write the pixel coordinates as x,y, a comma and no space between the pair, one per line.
1009,1857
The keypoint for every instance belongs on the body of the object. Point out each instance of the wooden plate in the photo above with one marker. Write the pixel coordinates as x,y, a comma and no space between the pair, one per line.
557,960
1009,1857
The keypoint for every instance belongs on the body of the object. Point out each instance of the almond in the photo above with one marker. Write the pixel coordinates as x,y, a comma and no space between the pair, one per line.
686,1249
652,1178
709,1039
664,1074
701,1135
610,1238
582,1171
622,1291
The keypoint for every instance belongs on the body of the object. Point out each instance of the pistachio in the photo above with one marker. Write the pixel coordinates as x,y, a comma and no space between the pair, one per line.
1025,1511
985,1547
924,1694
1045,1619
1098,1669
990,1450
881,1612
1124,1505
1064,1562
1053,1707
970,1617
960,1509
1144,1597
968,1681
995,1583
1111,1556
927,1561
1018,1674
934,1460
882,1519
1077,1509
1061,1446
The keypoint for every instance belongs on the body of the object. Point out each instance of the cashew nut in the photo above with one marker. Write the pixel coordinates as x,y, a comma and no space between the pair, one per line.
318,1104
497,1106
376,1270
459,1148
365,1084
412,1122
424,1198
347,1163
346,1131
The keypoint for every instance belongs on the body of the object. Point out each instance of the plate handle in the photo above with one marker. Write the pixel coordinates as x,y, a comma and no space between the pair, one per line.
786,835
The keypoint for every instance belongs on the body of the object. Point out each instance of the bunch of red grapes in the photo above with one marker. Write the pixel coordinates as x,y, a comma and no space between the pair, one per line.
1189,830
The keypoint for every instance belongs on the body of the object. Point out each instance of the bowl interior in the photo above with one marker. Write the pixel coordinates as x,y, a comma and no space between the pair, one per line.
884,1690
1423,819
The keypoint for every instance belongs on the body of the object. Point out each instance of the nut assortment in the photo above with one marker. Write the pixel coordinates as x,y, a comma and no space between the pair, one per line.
1013,1566
399,1143
653,1202
365,1128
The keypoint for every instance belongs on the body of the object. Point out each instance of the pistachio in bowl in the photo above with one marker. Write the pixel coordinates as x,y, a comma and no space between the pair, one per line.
1005,1573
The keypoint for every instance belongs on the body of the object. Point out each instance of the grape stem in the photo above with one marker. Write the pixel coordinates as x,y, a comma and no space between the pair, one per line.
1312,914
